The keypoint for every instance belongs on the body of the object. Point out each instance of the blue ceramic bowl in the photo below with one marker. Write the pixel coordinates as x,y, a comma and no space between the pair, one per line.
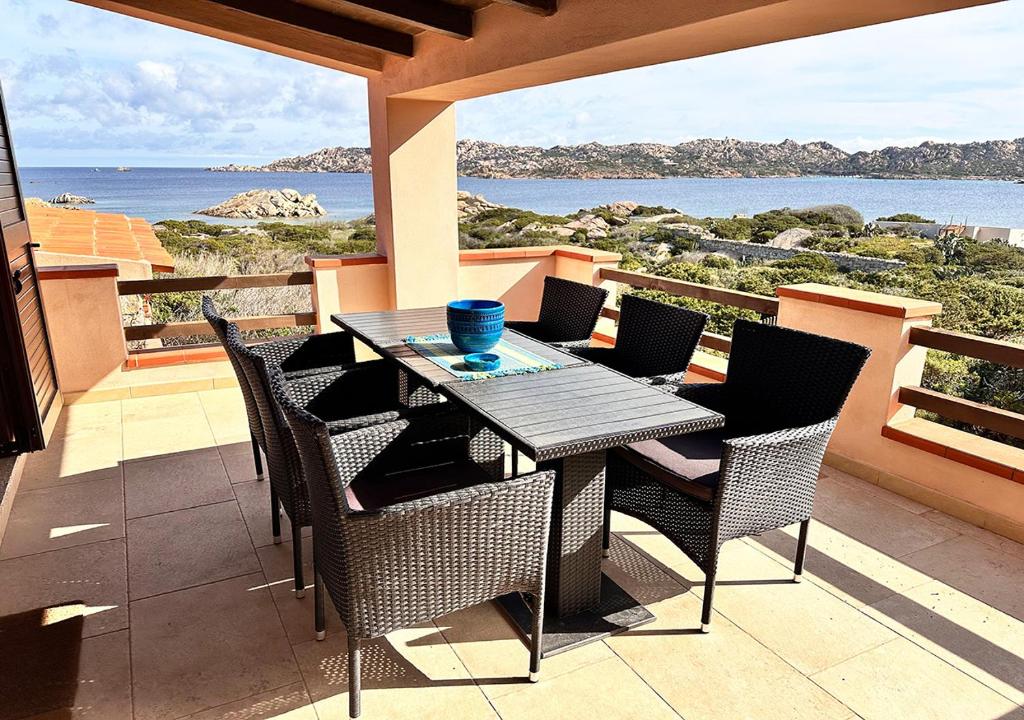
475,325
482,362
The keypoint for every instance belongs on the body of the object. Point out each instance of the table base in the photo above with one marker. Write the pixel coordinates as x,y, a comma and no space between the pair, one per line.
619,611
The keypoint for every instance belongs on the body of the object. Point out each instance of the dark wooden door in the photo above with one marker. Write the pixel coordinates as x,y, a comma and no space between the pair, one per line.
28,385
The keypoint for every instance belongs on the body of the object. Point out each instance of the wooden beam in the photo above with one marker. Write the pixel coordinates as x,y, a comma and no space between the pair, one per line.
216,20
735,298
183,329
965,411
995,351
538,7
314,19
434,15
214,282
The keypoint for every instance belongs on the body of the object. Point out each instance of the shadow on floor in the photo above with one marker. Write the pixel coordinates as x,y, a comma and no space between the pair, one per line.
39,662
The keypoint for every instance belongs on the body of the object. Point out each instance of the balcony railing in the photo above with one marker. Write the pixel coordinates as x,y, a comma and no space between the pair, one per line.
157,331
958,409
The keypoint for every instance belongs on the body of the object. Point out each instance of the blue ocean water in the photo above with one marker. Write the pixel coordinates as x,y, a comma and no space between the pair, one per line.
176,193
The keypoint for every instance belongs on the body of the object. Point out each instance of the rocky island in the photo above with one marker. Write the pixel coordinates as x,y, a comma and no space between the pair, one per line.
70,199
714,158
257,204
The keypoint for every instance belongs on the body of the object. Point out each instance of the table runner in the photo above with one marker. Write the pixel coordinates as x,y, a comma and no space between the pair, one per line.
439,350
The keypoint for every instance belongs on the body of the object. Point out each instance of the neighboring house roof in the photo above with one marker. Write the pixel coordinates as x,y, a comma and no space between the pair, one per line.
85,232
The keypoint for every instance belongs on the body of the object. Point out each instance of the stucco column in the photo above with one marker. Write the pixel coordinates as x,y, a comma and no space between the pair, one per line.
83,316
414,185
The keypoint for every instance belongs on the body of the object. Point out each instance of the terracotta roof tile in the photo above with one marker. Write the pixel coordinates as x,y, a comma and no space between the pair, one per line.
84,232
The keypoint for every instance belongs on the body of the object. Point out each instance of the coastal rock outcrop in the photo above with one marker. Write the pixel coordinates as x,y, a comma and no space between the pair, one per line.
257,204
70,199
792,238
471,205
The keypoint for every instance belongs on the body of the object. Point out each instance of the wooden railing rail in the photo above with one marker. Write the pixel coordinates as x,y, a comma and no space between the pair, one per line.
996,351
214,282
158,331
735,298
1000,352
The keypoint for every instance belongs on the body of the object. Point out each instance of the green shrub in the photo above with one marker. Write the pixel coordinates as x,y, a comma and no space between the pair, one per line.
689,272
718,262
767,225
652,210
843,215
732,228
905,218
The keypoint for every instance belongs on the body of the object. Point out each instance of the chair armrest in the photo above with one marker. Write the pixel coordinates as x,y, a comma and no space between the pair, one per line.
768,481
296,356
572,345
523,485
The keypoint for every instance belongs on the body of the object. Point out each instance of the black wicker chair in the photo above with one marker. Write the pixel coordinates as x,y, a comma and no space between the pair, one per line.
410,524
360,395
781,399
298,357
655,341
568,313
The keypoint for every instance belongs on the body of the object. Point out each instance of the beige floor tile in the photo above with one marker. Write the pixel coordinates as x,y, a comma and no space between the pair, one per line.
973,531
92,576
986,644
239,462
844,566
290,702
492,651
881,525
901,680
410,673
855,483
254,500
638,575
721,674
184,548
977,569
161,407
609,690
64,516
150,438
207,646
297,615
174,482
802,623
73,458
225,411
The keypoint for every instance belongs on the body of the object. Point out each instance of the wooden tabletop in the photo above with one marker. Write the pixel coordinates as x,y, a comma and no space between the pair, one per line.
386,331
575,410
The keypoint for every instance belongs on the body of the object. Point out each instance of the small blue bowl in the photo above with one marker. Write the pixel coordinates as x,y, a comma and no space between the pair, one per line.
482,362
476,325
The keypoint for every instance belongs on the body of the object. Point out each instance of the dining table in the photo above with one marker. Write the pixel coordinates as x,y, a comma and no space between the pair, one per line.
564,419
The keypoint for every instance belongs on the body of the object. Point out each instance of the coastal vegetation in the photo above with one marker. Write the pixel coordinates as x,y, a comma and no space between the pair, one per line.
980,285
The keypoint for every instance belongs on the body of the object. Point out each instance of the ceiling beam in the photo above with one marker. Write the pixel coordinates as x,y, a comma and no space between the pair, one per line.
326,23
226,23
539,7
434,15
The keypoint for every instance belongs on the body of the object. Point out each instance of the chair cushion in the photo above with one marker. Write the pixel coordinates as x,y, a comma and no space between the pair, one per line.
688,463
373,493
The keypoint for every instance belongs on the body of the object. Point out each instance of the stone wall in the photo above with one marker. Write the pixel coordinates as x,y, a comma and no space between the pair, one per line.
752,251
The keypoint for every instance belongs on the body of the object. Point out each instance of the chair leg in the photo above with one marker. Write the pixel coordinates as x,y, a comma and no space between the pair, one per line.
257,457
607,540
318,598
515,462
536,637
801,550
353,678
709,592
275,515
300,581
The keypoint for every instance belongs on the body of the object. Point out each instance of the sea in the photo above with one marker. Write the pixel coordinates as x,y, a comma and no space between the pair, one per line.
176,193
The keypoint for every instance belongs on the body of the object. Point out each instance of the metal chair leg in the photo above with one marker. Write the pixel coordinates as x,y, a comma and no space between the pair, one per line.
607,539
536,637
353,678
300,581
515,462
318,598
275,515
801,550
257,457
709,592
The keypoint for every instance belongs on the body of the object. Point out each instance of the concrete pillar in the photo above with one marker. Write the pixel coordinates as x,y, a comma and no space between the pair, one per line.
414,187
83,316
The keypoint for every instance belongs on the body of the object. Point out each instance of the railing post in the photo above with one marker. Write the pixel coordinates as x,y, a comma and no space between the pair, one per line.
83,315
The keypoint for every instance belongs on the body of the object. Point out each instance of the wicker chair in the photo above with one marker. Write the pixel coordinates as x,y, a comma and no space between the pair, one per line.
358,396
781,399
568,313
655,341
409,526
298,357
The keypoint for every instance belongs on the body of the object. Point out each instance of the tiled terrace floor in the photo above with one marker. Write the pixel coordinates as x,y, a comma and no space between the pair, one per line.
144,521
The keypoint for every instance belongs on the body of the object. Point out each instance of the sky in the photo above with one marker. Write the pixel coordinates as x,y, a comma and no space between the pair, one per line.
86,87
